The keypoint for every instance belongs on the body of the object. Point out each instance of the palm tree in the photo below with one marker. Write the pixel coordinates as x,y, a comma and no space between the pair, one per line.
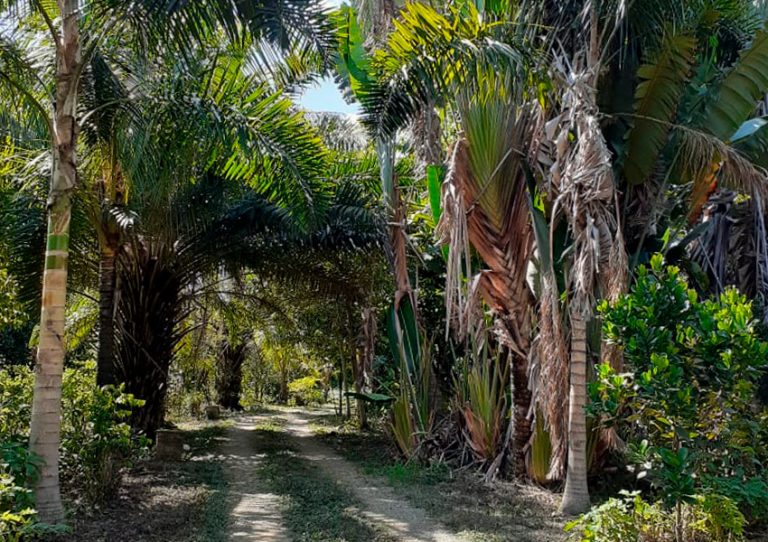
283,25
581,177
485,196
666,119
45,428
430,58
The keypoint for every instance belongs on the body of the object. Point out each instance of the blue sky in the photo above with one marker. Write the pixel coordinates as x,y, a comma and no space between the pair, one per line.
325,96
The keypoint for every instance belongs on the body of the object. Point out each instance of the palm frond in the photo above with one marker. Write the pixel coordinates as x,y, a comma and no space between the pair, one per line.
656,99
301,25
425,60
740,91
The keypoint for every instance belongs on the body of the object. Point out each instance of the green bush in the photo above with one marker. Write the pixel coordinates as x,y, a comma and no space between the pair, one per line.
96,443
708,518
305,391
15,403
686,403
18,472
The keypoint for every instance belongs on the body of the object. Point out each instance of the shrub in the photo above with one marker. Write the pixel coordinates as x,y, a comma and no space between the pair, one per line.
96,441
18,472
15,403
305,391
693,370
708,518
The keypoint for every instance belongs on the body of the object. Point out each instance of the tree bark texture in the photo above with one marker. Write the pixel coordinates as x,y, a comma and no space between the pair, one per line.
576,493
45,427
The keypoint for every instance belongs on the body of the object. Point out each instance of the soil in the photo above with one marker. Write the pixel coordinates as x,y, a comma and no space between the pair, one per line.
270,477
156,502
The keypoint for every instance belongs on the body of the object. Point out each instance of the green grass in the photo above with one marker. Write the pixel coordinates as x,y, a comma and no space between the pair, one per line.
459,500
209,472
403,474
316,508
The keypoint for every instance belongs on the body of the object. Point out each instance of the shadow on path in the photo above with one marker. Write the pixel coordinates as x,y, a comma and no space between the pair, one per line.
255,513
380,504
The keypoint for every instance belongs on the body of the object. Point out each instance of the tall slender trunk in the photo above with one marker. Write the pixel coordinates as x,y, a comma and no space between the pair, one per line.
105,361
426,133
283,399
521,400
576,493
358,377
364,359
399,251
45,427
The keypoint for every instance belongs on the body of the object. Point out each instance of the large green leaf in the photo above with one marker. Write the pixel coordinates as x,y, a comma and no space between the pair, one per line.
752,141
656,101
739,92
435,176
404,336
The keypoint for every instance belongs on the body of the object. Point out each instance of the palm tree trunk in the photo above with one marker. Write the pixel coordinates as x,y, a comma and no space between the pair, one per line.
45,427
105,363
399,251
576,493
230,375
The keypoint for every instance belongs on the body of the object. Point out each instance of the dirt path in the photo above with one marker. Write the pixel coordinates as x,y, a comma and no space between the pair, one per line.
381,506
255,514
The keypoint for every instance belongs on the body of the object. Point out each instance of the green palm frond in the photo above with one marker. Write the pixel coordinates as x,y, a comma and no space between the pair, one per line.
209,116
737,95
426,59
656,101
301,25
25,89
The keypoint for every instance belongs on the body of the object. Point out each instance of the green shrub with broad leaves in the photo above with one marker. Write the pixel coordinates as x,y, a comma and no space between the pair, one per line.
96,443
18,472
686,403
707,518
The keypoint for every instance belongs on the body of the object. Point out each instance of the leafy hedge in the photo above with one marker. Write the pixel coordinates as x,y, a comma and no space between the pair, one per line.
685,403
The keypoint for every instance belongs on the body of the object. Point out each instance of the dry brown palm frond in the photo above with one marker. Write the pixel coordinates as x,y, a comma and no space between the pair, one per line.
587,193
582,185
614,284
553,377
703,153
452,231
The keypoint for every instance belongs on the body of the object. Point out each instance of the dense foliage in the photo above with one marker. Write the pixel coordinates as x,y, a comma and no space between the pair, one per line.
463,268
97,442
686,404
